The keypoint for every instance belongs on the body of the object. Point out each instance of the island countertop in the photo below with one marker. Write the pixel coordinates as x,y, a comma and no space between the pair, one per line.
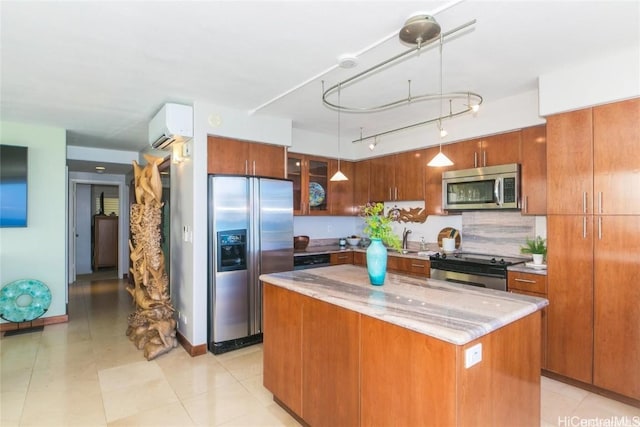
453,313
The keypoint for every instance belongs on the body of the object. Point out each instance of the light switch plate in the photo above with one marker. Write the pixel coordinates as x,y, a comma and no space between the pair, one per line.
473,355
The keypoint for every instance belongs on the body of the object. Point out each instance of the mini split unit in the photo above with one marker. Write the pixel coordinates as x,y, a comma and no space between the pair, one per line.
173,123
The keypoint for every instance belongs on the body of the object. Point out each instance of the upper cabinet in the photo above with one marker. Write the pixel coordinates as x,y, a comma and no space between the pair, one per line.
310,176
397,177
341,202
570,162
616,158
433,175
499,149
361,183
235,157
488,151
533,163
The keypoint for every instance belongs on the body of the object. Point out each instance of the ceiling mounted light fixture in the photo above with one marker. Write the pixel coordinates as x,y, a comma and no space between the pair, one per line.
440,159
421,30
338,176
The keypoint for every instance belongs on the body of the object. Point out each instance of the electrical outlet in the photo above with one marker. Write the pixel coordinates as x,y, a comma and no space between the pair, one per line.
473,355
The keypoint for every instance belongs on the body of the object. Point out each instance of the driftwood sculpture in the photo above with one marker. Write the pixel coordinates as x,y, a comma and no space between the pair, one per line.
152,326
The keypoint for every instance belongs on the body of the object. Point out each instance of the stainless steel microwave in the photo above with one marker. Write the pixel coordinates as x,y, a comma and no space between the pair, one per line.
492,187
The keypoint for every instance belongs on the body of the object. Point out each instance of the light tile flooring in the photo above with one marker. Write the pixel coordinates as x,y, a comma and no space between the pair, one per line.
87,373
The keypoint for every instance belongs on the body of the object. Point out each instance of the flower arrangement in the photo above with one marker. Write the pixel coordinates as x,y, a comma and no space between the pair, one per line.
378,226
535,246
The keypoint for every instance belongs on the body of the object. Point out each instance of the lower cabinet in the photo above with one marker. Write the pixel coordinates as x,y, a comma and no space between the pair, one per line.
308,366
335,367
330,360
616,323
534,285
283,369
337,258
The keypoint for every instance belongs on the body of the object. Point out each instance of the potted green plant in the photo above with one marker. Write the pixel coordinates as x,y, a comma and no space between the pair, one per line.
378,228
536,247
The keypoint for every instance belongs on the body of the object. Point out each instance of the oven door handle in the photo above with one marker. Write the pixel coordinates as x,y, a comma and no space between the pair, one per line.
497,191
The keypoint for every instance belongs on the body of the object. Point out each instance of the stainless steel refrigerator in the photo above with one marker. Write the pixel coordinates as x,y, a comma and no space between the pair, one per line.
250,233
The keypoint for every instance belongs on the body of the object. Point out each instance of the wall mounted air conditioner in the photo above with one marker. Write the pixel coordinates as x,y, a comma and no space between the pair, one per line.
173,123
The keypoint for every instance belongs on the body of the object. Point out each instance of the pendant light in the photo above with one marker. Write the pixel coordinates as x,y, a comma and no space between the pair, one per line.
339,176
440,160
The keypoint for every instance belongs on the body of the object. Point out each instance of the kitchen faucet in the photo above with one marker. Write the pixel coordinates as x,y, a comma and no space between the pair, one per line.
405,234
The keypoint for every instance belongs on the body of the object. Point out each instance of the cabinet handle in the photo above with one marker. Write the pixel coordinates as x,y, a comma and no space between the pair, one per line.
584,227
526,204
484,158
475,159
599,228
599,201
254,167
246,167
584,202
342,257
390,194
525,281
395,197
417,265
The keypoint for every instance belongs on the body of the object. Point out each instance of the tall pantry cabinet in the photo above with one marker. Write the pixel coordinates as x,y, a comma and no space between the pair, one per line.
593,229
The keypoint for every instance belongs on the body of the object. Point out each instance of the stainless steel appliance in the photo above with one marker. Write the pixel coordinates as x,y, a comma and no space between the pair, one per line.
250,233
486,271
306,261
491,187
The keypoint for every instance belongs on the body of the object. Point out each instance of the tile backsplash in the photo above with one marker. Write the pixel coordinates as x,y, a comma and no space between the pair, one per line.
500,233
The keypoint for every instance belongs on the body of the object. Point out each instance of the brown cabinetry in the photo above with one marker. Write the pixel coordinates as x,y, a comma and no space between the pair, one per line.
283,369
311,357
235,157
105,241
593,231
341,201
397,177
337,258
533,170
360,258
534,285
361,184
616,158
570,163
311,191
330,365
325,364
499,149
616,355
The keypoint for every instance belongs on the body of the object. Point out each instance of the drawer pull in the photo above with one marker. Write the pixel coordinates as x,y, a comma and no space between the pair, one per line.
417,265
525,280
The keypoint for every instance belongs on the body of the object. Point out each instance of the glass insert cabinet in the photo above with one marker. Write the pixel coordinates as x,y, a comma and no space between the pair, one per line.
310,176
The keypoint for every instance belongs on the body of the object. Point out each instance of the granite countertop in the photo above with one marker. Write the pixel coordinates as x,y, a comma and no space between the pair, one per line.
522,268
453,313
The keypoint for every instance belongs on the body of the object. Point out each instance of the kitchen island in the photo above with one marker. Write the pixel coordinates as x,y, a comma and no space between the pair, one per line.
338,351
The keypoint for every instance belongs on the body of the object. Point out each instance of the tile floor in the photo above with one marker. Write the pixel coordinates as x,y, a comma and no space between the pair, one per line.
87,373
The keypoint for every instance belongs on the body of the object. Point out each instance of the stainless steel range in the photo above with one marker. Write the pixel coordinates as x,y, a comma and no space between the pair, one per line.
486,271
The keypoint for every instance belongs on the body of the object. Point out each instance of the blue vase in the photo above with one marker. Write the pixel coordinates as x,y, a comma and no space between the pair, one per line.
376,262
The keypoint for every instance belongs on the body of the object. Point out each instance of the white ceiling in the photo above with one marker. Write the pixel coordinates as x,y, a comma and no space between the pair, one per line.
101,69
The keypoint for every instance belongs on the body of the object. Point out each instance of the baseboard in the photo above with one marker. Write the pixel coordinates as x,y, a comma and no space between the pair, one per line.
593,389
43,321
193,351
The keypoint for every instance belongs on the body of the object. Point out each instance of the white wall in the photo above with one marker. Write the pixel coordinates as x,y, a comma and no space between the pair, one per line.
39,250
611,77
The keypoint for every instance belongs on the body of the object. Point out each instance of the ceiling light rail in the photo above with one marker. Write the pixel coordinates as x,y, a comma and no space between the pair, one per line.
399,102
473,101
